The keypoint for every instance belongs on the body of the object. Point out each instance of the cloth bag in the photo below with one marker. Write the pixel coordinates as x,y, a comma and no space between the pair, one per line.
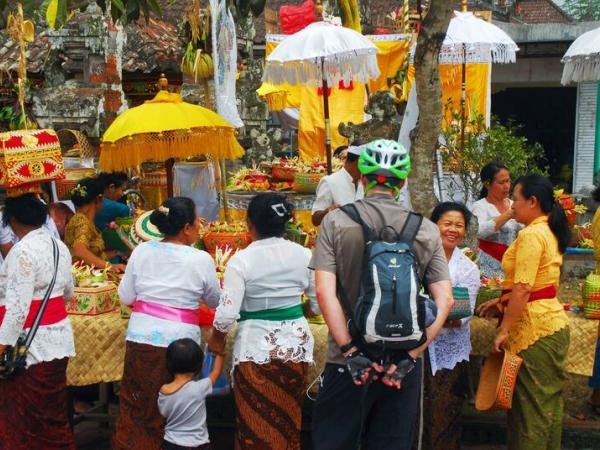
462,304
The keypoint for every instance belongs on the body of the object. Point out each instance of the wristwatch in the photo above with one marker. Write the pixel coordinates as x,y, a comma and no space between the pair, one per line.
346,347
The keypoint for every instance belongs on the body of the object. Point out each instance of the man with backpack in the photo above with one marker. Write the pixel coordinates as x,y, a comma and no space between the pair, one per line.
371,259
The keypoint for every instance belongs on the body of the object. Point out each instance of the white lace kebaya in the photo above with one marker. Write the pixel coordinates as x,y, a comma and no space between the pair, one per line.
453,345
269,274
25,276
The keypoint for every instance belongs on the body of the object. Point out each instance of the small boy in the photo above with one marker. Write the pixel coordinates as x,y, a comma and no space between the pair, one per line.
182,401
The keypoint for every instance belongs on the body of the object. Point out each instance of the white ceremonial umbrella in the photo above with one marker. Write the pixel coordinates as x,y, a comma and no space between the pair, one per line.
470,39
582,60
322,55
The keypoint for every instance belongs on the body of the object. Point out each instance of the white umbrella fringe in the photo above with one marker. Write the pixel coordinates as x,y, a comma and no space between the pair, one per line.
355,65
581,69
498,53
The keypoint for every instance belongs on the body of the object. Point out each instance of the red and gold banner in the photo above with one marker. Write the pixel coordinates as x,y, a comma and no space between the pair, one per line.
30,157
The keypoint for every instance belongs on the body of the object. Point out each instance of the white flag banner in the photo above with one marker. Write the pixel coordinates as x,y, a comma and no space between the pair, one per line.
224,51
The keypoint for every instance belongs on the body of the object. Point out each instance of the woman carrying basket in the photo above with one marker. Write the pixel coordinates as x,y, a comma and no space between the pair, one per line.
533,323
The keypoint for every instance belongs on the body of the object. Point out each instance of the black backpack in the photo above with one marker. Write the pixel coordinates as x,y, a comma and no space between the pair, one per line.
390,312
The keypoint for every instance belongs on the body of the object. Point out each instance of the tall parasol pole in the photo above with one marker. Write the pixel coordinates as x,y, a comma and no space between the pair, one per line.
326,113
463,88
325,86
224,196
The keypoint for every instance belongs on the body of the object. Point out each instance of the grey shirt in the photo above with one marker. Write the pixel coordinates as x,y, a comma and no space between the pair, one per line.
185,412
340,248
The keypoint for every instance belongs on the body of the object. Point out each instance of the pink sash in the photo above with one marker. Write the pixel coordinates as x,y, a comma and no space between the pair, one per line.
181,315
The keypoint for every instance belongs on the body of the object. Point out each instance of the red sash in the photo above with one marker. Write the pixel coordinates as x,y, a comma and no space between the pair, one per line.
545,293
495,249
54,313
542,294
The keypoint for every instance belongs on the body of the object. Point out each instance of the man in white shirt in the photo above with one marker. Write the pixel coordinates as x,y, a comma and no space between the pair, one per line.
8,238
340,188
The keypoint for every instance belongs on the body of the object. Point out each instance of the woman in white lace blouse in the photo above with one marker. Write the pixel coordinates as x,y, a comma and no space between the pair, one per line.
263,287
33,404
443,382
497,228
165,282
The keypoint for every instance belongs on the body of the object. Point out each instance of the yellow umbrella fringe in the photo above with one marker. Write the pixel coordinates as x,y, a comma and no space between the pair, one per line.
132,151
276,101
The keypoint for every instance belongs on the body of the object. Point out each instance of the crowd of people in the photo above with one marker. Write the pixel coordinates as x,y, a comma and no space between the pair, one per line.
370,388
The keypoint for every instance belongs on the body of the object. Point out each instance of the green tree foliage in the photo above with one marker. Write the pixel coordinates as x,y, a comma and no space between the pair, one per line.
583,9
481,145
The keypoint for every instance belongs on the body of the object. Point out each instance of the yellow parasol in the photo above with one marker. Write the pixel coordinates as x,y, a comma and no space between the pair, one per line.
163,128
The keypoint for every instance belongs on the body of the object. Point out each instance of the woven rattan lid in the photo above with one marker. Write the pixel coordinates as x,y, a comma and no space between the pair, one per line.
143,230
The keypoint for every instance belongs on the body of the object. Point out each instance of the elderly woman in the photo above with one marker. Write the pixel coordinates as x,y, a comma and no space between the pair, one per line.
444,393
81,235
497,228
165,282
33,412
263,287
534,324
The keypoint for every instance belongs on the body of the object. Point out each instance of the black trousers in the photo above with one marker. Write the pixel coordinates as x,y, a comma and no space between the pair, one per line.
375,417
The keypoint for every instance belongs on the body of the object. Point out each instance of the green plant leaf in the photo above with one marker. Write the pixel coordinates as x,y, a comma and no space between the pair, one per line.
119,5
155,7
52,13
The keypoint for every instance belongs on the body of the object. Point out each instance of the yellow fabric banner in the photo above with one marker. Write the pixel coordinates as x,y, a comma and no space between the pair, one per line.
390,60
476,89
345,105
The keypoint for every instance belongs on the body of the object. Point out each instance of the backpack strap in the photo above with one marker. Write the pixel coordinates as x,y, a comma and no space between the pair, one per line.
352,212
411,228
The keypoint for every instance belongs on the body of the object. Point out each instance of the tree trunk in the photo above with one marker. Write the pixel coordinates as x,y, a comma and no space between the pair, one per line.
429,98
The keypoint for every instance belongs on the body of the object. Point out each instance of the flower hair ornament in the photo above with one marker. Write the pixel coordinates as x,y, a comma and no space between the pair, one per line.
164,210
80,190
280,209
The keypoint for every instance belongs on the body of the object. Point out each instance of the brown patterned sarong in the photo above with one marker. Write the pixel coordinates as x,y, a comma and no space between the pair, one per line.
33,409
268,399
442,407
139,425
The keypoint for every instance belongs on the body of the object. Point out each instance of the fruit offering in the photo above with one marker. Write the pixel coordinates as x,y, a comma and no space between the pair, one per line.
86,276
222,235
249,180
227,227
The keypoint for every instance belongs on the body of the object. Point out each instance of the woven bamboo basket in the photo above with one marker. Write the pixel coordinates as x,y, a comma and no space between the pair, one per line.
64,187
306,183
86,150
213,240
497,381
73,175
591,296
297,237
487,293
282,173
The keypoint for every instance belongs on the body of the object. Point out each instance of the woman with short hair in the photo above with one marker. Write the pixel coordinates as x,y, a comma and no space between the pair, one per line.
165,282
263,287
33,411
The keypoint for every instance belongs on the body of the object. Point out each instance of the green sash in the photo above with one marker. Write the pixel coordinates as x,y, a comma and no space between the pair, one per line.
289,313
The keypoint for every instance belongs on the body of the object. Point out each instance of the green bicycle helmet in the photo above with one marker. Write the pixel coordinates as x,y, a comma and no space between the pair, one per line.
384,157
